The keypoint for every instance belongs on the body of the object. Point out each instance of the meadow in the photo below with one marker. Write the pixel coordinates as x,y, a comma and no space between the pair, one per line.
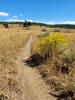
11,42
12,39
53,54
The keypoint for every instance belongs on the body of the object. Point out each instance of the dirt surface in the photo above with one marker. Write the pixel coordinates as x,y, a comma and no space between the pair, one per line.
32,86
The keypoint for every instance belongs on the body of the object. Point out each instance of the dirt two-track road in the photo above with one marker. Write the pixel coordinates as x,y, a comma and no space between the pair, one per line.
32,86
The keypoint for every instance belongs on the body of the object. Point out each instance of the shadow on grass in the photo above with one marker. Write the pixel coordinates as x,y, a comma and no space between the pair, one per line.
34,60
65,96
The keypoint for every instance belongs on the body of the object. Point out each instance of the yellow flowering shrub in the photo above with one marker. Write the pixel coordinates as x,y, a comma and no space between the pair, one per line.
55,47
50,44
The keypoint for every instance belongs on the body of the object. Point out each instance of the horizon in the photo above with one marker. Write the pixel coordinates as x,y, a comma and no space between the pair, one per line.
42,11
37,23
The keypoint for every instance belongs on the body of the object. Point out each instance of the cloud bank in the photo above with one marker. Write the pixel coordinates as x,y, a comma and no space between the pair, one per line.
4,14
62,22
15,16
15,20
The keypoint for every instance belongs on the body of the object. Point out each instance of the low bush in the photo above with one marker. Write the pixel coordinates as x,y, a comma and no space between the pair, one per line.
26,24
69,91
57,30
44,30
49,45
6,25
57,48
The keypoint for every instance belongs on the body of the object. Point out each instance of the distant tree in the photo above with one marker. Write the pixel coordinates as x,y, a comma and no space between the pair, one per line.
26,24
5,25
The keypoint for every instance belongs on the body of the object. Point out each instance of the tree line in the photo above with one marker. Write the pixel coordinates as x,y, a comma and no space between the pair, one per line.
27,23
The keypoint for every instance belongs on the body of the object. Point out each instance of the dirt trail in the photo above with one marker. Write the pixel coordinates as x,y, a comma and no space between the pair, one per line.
32,85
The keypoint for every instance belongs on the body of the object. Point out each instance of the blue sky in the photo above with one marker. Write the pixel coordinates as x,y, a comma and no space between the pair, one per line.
49,11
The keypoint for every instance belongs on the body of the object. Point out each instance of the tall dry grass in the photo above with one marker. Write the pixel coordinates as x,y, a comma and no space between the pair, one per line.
11,43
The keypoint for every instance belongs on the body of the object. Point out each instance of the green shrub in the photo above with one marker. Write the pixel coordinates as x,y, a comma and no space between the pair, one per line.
44,30
65,60
26,24
6,25
69,91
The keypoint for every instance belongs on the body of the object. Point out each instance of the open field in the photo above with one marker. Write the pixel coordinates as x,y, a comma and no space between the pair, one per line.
12,41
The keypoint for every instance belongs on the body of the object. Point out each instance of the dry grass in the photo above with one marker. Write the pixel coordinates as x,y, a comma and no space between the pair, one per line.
11,42
59,81
70,36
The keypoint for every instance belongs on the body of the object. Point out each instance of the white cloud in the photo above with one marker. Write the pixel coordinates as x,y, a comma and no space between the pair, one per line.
21,15
15,16
62,22
4,14
18,20
68,22
29,20
51,22
15,20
